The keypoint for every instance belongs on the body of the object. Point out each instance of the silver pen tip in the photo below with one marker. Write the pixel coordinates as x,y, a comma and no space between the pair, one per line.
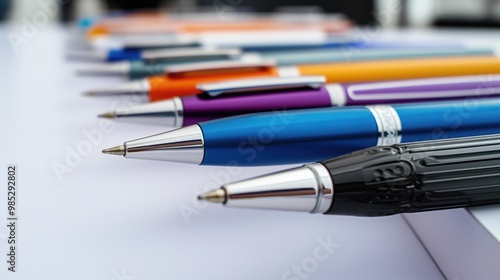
215,196
118,150
108,115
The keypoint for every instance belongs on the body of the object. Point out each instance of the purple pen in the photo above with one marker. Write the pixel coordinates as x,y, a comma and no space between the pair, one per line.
231,98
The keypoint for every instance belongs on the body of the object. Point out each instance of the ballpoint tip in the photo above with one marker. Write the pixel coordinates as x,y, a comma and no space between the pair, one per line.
108,115
215,196
89,93
118,150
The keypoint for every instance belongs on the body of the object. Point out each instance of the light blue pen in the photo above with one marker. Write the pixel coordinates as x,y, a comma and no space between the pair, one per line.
299,136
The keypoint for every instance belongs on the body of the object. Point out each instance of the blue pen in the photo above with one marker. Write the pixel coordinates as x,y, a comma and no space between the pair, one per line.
140,53
134,53
299,136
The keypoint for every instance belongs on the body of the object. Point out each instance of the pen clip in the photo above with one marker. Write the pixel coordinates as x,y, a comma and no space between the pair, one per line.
218,66
259,84
190,52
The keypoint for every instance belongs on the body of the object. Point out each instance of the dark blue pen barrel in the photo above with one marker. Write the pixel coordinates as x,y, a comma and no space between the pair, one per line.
440,120
284,137
287,136
118,55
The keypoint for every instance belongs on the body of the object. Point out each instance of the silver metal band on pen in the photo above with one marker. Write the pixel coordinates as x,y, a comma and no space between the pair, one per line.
388,124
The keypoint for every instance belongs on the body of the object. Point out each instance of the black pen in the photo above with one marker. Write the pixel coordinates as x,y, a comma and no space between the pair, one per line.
378,181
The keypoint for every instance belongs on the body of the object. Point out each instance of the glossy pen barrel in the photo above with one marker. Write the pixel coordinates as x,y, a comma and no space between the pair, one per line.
353,54
403,69
199,108
420,90
283,137
417,177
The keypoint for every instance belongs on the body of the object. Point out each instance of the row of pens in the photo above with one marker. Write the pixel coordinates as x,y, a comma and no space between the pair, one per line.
266,90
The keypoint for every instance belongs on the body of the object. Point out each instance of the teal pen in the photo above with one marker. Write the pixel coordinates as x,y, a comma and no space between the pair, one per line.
143,68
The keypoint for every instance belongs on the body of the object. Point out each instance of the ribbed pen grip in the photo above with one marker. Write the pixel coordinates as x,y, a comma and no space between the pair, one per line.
417,177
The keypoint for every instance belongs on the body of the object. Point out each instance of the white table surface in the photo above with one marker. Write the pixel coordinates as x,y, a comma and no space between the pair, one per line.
111,218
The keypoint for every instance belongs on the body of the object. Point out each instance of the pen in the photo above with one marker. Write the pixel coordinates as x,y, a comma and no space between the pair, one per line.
246,96
164,27
155,53
114,18
182,79
379,181
309,135
250,39
163,59
135,21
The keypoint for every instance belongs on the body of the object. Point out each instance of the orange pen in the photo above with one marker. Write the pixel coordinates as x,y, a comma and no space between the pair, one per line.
182,80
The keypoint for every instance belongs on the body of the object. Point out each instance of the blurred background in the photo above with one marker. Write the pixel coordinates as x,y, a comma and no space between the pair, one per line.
414,13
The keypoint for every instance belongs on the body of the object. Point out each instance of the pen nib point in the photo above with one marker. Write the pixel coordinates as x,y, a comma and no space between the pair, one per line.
215,196
118,150
108,115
